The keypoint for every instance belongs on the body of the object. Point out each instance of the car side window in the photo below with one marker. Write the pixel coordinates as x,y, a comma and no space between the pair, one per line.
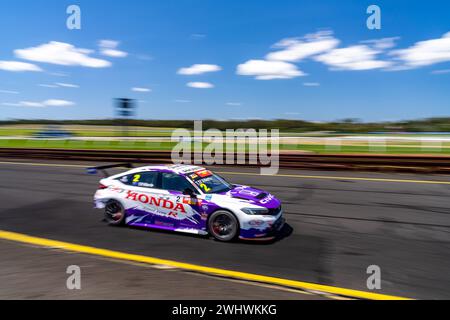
175,182
141,179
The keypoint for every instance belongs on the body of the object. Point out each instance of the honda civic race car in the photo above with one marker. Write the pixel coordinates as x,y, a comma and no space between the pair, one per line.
189,199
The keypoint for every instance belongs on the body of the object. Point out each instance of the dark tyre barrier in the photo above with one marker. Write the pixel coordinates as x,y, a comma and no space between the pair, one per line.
368,162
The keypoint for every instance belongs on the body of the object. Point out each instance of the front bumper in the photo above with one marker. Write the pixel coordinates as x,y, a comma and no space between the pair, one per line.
269,233
99,204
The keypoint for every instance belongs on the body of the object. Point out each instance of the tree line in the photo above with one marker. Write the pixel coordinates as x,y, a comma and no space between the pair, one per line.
284,125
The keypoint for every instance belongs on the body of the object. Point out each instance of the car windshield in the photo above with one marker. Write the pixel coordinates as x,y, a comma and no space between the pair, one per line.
209,182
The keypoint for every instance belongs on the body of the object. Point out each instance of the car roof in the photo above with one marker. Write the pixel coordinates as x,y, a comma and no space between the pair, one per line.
181,169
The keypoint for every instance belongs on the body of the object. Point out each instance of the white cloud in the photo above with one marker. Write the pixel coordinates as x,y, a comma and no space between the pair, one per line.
198,36
61,54
109,48
182,101
383,43
47,85
9,92
59,85
234,104
57,103
200,85
268,70
297,49
16,66
114,53
59,74
43,104
67,85
139,89
199,69
111,44
321,46
9,104
358,57
443,71
31,104
425,53
311,84
145,57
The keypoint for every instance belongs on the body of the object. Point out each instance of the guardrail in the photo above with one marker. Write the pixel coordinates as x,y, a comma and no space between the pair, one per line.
407,163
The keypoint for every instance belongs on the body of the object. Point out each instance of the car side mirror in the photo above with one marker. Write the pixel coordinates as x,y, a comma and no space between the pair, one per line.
189,192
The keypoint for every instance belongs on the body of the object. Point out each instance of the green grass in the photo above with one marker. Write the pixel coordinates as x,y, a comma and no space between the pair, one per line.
27,131
143,145
366,149
86,145
88,131
16,132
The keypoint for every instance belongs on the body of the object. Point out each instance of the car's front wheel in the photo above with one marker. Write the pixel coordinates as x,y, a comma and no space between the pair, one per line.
223,226
114,213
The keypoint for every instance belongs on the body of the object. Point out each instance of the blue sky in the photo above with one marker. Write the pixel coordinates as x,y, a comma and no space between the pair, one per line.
313,60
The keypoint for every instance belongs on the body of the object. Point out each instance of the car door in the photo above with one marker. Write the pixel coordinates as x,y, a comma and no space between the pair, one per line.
182,210
143,197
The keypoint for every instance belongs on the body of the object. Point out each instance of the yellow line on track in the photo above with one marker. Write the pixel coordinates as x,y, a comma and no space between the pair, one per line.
340,178
22,238
35,164
298,176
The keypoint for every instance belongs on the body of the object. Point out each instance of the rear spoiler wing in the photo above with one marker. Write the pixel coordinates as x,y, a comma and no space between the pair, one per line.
103,169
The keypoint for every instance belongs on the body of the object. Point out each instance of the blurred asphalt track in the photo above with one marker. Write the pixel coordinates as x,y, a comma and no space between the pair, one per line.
342,222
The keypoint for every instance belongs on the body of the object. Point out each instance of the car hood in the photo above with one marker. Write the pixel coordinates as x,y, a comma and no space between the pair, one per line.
254,196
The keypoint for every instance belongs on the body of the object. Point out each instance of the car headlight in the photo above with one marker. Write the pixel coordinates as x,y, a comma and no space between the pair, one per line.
255,211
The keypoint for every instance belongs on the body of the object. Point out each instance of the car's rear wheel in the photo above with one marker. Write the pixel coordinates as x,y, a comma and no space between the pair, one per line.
114,213
223,226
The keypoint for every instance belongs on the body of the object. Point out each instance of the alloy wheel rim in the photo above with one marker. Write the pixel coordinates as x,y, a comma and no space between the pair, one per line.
114,211
223,226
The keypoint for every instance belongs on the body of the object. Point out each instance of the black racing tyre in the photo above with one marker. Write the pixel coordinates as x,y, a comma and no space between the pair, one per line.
223,226
114,213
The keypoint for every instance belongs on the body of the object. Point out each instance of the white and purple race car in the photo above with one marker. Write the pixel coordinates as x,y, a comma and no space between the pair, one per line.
188,199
